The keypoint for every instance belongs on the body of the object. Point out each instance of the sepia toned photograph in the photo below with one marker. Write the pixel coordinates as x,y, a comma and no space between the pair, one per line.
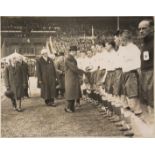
77,77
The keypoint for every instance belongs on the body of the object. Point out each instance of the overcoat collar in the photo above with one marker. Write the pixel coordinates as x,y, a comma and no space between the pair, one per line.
44,61
72,58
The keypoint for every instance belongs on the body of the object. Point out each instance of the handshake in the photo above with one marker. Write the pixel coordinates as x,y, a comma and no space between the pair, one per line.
59,72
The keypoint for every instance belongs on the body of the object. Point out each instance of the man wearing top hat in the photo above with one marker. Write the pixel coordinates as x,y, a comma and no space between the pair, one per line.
72,81
46,78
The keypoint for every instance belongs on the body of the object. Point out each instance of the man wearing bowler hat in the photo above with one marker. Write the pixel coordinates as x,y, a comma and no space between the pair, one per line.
72,81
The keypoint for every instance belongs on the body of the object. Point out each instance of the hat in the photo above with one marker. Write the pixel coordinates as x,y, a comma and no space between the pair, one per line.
73,48
43,51
9,94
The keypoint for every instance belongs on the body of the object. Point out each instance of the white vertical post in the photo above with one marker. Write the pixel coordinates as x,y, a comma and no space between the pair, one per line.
118,23
92,31
84,36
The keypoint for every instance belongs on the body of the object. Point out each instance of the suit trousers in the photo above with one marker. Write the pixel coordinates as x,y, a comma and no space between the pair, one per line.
47,101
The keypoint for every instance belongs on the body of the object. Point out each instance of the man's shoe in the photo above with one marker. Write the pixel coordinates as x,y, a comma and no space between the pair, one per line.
125,128
112,118
115,120
129,133
68,110
119,124
20,110
52,104
15,109
102,108
139,114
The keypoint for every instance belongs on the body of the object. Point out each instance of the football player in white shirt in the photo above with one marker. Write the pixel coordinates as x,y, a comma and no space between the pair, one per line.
118,67
119,100
109,80
88,68
82,64
103,69
81,60
130,65
97,64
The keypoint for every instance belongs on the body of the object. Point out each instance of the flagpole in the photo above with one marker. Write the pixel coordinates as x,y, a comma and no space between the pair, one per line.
92,31
118,23
84,36
92,34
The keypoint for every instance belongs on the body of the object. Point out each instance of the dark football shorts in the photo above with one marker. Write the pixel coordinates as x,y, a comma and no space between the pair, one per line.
109,81
117,81
130,84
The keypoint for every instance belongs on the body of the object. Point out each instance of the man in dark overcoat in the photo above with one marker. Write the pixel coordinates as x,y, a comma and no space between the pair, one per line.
26,76
46,78
14,82
72,80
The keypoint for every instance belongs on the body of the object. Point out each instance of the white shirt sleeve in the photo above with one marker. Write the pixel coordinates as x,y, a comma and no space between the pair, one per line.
131,58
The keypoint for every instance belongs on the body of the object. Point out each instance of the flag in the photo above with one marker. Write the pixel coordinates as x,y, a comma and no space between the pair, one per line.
92,32
47,47
52,49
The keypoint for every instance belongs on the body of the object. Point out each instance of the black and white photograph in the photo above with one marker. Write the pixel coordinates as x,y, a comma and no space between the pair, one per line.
77,76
